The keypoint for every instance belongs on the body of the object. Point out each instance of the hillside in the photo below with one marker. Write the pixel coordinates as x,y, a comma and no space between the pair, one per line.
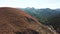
14,21
47,16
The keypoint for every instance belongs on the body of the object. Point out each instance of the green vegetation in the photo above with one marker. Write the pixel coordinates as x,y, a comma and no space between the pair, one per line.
45,16
42,15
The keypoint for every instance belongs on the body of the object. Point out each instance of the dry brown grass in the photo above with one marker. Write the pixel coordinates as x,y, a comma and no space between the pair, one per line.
14,21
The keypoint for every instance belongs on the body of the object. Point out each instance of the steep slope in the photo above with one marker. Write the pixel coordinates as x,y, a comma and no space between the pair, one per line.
46,16
14,21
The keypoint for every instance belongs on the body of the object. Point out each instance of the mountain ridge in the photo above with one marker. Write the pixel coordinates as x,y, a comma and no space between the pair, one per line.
14,21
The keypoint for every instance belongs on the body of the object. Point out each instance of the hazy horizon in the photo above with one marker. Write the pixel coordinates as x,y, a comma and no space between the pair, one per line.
53,4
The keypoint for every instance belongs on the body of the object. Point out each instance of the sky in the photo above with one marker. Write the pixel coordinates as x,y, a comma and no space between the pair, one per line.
53,4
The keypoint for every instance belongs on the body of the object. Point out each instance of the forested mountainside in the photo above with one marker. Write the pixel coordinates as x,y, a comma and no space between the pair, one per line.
46,16
14,21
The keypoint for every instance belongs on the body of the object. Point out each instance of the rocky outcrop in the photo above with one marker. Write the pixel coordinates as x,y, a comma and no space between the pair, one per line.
14,21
